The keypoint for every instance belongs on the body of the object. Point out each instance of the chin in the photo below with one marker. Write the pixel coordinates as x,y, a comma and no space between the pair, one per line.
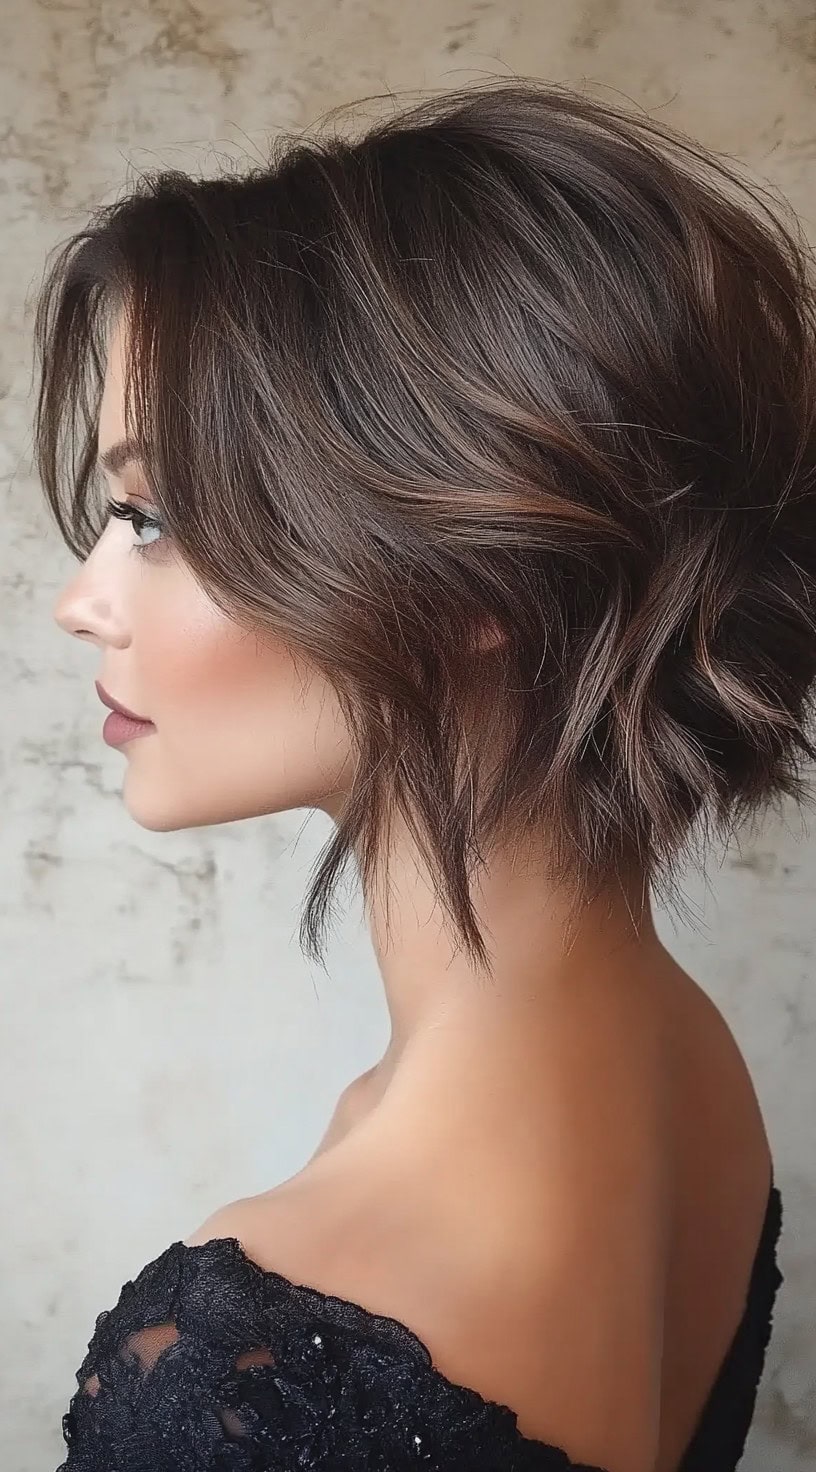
171,820
156,819
156,809
160,802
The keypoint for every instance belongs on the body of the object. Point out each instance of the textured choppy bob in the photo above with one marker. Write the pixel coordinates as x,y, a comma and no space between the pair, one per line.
512,360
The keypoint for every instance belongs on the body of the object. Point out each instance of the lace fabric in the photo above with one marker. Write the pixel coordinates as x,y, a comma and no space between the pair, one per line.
209,1363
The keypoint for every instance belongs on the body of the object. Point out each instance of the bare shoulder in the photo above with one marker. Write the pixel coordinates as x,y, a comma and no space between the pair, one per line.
226,1221
533,1274
533,1257
574,1360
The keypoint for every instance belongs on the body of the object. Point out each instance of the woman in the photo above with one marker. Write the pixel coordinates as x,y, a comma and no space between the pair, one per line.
461,483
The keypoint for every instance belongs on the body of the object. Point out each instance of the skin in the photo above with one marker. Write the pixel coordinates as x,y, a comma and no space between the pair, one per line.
556,1176
237,733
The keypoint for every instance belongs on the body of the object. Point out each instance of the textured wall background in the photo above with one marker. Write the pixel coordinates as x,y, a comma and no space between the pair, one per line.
165,1047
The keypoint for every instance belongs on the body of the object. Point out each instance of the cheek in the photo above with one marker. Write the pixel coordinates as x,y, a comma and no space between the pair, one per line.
242,728
192,658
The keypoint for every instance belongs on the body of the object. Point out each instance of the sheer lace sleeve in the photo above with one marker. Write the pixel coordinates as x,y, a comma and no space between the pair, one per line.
208,1363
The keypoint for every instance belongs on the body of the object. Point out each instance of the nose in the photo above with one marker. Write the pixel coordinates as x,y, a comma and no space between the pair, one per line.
84,609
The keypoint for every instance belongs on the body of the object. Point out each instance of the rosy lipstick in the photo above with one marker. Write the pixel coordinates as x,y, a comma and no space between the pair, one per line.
122,724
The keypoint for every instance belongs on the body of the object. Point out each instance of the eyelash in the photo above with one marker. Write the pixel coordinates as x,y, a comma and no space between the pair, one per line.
139,520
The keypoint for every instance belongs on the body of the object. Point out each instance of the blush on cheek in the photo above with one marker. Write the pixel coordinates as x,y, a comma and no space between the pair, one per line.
225,673
253,752
243,728
192,657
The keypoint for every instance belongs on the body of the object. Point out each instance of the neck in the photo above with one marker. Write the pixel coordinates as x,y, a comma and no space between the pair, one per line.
537,942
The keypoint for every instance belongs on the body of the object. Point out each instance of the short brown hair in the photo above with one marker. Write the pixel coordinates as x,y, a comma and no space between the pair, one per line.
512,358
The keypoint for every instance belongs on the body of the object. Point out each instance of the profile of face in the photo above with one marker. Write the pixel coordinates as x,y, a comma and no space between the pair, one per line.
239,727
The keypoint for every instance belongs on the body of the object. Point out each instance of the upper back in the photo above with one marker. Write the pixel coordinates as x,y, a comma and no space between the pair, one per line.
724,1174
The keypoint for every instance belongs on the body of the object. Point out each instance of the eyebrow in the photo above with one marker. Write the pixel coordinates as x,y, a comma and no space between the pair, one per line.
118,455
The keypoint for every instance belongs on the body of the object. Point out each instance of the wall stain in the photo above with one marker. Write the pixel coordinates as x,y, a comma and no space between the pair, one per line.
795,32
793,1426
596,18
185,33
761,862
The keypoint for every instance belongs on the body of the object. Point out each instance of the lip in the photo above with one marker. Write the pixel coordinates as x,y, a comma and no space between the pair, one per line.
112,704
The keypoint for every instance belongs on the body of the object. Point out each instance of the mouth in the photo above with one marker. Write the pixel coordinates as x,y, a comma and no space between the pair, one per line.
112,704
122,724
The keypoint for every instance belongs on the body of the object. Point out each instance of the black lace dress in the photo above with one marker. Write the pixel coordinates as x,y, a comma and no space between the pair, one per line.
209,1363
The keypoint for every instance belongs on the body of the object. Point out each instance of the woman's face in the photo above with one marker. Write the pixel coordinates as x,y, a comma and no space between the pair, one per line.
238,729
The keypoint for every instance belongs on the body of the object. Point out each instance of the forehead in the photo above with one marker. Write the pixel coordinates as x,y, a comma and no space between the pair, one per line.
112,427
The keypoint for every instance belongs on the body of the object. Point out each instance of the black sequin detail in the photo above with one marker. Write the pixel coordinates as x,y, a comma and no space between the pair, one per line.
209,1363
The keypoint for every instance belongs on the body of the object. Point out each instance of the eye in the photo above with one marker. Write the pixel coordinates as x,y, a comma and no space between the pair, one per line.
139,520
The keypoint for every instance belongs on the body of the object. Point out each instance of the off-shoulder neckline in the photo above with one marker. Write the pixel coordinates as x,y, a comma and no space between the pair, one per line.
349,1313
